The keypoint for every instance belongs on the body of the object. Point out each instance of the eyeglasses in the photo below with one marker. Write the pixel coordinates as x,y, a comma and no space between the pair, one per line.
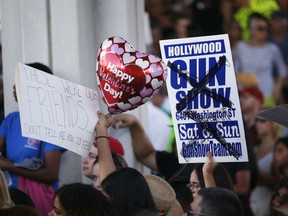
193,213
193,186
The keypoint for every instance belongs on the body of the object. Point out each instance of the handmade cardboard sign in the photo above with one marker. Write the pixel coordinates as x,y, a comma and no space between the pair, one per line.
204,99
56,110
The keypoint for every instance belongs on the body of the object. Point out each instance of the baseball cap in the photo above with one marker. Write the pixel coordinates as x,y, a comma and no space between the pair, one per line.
115,146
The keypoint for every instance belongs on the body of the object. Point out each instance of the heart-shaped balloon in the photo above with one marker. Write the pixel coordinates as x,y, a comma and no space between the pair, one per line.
127,78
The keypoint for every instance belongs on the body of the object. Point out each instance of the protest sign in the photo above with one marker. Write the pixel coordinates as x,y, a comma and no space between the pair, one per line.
204,99
56,110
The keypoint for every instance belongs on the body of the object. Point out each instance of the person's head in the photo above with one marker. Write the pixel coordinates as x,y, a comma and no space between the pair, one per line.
88,161
221,177
251,100
258,27
281,153
115,146
38,66
119,162
128,191
182,24
78,199
19,210
5,199
215,201
20,198
266,128
280,197
163,195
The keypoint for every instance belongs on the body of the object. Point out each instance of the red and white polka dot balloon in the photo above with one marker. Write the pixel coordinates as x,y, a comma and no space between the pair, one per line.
127,78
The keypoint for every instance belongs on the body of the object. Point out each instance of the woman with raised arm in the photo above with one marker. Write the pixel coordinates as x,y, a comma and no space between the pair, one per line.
126,189
209,174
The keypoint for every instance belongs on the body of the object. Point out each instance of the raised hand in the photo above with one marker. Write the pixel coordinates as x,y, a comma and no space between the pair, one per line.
124,120
208,170
210,165
103,123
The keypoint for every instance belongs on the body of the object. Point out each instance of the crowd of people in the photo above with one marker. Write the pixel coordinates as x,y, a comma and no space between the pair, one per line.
259,44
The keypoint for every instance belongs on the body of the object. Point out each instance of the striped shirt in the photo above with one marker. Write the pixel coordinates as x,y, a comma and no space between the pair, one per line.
260,61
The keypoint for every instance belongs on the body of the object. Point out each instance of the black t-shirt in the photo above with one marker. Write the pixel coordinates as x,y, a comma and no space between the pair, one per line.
169,166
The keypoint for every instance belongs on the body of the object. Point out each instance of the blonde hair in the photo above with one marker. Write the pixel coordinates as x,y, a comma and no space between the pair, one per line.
246,79
5,199
276,128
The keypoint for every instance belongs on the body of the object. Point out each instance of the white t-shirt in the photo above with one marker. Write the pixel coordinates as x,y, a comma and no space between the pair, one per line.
159,127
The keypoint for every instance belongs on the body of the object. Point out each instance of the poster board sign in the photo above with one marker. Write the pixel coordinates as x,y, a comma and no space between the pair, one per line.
56,110
204,99
276,114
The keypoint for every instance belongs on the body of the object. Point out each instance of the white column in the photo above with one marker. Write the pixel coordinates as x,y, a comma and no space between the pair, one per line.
25,39
73,57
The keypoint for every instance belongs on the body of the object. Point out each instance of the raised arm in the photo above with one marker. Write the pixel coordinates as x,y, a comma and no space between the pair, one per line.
208,171
106,164
142,146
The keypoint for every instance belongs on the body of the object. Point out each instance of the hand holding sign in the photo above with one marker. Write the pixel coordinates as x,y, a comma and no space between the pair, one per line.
56,110
204,99
127,78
